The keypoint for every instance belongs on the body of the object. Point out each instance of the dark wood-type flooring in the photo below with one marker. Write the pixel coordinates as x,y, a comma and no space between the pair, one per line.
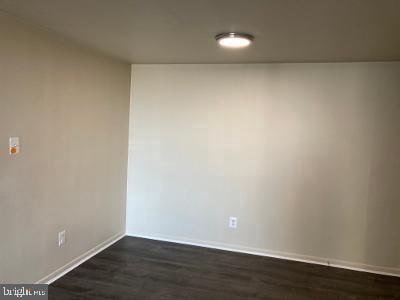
135,268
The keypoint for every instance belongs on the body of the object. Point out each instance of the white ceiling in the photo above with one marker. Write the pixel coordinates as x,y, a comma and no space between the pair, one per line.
182,31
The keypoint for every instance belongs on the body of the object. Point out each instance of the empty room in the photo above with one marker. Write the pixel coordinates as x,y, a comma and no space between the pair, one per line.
200,149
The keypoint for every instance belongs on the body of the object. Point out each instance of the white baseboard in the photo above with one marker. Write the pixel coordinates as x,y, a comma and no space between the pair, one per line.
277,254
80,259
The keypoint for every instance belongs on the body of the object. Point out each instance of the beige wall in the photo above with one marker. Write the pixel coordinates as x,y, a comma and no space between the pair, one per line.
70,107
306,156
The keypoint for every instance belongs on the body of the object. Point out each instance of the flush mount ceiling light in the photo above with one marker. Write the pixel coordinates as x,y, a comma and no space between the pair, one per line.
234,40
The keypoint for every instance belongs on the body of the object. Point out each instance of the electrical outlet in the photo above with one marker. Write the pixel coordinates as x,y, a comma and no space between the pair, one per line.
61,238
14,145
233,222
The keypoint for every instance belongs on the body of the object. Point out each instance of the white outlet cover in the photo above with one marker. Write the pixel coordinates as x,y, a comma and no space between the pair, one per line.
233,222
61,238
14,143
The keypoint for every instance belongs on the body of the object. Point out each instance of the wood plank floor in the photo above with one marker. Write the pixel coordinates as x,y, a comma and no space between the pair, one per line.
142,269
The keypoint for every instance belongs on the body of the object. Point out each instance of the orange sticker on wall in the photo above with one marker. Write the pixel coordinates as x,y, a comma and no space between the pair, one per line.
13,150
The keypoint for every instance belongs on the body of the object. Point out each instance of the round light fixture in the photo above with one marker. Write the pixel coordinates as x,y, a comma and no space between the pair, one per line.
234,40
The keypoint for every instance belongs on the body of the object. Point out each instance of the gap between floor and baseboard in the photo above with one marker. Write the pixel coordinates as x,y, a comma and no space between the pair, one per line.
80,259
278,254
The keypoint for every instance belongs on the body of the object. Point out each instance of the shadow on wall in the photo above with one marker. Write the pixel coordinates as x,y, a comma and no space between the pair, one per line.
383,224
355,193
